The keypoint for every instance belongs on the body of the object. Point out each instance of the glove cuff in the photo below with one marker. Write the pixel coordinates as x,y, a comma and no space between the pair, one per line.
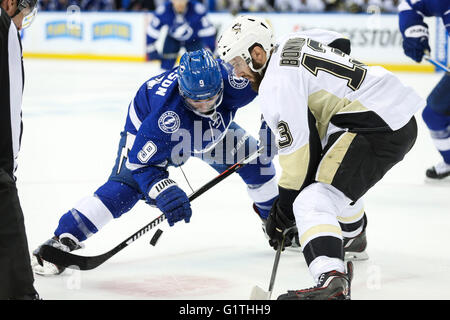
160,187
416,31
283,219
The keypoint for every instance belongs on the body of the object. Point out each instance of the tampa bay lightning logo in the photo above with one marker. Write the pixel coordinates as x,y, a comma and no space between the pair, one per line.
236,82
181,32
169,122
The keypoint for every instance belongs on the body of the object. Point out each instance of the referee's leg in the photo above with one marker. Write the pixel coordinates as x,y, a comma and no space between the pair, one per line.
16,275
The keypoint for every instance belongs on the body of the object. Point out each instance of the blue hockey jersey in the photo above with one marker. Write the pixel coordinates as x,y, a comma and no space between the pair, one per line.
167,132
411,12
187,27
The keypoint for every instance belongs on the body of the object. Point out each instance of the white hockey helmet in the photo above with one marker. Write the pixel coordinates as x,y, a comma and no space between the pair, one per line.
243,33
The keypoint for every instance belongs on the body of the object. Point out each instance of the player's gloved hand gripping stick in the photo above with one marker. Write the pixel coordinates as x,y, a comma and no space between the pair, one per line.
69,260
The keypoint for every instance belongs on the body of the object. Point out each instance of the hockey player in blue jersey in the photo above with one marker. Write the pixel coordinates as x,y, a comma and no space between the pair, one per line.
415,44
188,27
186,111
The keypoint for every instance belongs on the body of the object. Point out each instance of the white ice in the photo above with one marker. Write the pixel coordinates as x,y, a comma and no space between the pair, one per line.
73,113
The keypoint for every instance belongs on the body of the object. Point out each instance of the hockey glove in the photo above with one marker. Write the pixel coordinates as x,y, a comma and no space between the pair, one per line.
277,223
415,41
172,201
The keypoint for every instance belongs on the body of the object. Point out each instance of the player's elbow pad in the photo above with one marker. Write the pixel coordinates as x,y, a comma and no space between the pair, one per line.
341,44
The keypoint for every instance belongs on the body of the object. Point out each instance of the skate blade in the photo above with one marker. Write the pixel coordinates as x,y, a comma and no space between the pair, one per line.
356,256
259,294
47,269
437,181
294,249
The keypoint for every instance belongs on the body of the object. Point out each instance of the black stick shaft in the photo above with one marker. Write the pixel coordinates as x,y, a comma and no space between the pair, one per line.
66,259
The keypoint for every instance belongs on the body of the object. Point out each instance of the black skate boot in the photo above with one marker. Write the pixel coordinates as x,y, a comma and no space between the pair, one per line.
439,171
32,296
333,285
355,248
65,243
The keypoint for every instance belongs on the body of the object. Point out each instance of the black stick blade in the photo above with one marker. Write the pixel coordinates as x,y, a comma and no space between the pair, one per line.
69,260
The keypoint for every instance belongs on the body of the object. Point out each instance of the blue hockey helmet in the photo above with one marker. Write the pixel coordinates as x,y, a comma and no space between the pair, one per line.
200,82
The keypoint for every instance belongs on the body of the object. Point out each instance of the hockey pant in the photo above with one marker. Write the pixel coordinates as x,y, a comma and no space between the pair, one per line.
331,208
16,276
120,193
436,116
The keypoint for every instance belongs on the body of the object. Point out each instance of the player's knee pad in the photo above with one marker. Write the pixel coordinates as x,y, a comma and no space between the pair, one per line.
264,195
438,99
316,209
435,121
117,197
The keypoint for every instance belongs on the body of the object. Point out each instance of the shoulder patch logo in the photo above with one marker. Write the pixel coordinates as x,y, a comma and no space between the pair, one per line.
236,82
169,122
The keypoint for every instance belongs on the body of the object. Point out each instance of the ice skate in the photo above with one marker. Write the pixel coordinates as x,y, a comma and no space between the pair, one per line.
333,285
355,248
439,171
65,243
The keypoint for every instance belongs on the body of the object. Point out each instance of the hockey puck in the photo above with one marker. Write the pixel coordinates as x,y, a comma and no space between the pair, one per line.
155,237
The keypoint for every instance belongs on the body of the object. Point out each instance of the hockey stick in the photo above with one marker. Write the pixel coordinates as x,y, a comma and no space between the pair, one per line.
437,64
257,292
69,260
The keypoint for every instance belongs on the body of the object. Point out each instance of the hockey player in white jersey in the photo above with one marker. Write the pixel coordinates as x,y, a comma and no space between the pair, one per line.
340,126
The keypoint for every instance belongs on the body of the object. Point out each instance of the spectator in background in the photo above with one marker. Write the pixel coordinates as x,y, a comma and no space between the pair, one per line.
256,6
356,6
390,6
188,27
56,5
96,5
44,5
143,5
299,5
371,6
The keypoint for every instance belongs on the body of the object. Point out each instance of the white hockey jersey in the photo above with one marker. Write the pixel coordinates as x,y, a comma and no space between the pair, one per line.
307,77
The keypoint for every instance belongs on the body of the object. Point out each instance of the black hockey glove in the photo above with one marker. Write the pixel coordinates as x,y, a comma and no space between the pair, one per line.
278,224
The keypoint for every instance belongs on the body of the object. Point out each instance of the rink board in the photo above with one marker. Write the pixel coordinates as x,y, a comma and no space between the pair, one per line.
376,39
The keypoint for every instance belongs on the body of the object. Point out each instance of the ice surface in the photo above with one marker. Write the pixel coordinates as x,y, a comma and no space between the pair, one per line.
73,113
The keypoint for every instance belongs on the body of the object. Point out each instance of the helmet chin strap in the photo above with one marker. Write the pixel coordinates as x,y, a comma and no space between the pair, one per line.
259,70
16,13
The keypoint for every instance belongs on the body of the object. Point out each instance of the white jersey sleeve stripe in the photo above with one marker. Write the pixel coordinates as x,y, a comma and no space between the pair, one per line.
133,117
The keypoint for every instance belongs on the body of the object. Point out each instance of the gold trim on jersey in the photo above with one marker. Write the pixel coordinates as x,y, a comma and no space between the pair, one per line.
321,228
333,158
294,168
324,105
